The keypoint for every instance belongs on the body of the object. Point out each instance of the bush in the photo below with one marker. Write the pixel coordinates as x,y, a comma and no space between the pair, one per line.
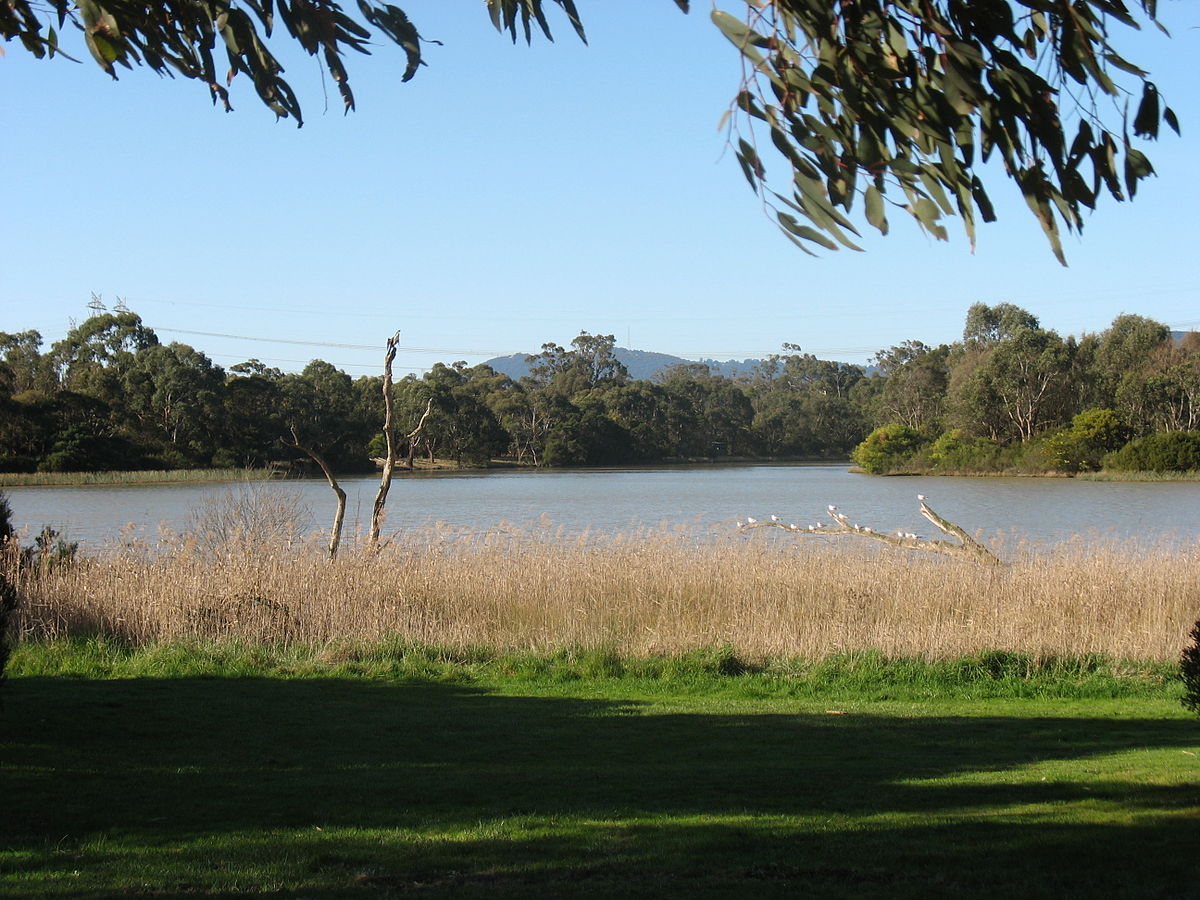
887,448
1080,447
954,452
1172,451
227,459
1189,671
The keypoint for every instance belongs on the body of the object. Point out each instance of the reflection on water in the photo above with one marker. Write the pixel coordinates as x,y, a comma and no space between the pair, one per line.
1004,511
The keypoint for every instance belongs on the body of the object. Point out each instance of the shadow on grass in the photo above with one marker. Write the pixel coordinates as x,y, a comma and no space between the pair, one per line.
340,787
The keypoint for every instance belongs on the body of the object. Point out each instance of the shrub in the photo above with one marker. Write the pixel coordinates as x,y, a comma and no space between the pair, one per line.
249,514
1189,671
227,459
955,452
1080,447
886,448
1172,451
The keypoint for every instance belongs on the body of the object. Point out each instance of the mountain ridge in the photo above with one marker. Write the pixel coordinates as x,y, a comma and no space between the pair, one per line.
642,364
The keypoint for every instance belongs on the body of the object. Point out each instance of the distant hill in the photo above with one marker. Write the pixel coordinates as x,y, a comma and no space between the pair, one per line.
642,364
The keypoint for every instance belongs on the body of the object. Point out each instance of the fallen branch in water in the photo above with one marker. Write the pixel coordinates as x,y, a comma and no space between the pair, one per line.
968,548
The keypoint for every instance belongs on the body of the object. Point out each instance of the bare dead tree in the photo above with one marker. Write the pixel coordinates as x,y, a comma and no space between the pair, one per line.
388,467
335,537
967,548
389,437
389,464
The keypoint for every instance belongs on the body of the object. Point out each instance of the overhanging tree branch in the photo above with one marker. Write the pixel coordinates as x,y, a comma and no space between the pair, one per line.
871,105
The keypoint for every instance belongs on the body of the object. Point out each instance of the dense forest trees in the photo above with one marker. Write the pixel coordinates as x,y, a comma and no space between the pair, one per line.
1010,395
111,396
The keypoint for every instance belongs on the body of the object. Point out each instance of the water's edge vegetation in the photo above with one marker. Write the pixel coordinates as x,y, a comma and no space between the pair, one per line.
221,476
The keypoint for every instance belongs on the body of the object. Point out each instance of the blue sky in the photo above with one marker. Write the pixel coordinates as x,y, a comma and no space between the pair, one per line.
509,196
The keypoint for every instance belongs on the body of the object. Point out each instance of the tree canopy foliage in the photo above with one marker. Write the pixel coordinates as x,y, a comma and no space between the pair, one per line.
873,105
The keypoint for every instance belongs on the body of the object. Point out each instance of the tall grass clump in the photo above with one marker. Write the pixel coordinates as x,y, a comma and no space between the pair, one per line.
633,595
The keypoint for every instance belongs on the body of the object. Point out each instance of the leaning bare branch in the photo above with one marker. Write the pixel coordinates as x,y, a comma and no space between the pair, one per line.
335,535
969,544
967,548
412,435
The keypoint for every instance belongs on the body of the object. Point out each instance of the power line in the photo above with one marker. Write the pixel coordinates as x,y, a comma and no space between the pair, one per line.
246,337
339,365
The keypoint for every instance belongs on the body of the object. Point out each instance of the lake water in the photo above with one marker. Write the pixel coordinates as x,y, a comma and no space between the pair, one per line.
1002,511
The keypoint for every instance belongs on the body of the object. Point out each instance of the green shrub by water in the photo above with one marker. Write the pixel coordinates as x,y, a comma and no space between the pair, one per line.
1173,451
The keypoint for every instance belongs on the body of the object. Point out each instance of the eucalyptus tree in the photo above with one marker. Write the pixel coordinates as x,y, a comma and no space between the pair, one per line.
638,408
1021,385
251,418
317,413
916,379
875,108
173,395
589,363
806,408
987,326
1123,365
1176,385
461,425
23,367
94,356
706,414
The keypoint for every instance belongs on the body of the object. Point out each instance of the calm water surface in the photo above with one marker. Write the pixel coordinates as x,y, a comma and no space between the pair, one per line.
1003,511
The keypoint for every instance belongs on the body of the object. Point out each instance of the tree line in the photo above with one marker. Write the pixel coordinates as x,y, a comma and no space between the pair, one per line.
1010,395
1015,397
110,395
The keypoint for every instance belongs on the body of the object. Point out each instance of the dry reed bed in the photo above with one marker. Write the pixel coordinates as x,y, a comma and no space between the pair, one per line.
635,594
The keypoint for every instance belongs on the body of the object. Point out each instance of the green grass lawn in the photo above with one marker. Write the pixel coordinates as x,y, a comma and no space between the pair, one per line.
495,784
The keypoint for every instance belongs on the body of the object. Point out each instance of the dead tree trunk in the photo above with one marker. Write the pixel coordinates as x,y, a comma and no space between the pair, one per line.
389,462
389,437
335,537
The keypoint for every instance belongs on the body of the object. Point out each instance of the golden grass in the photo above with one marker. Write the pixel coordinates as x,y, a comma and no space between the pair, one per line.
635,594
